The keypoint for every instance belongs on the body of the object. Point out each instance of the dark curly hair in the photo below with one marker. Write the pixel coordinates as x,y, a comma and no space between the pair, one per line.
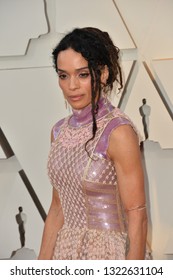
98,49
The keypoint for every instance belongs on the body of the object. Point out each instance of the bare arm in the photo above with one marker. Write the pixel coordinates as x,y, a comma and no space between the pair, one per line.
124,151
53,224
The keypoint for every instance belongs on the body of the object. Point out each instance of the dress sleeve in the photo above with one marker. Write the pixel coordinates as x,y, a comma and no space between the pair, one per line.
57,127
103,143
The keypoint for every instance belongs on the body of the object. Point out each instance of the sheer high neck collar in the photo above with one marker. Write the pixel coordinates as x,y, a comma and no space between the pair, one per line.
84,116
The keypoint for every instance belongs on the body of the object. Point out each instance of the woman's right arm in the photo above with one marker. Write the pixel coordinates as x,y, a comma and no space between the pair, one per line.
53,224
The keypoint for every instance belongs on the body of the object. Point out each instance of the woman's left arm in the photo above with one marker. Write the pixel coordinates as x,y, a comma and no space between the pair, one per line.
125,152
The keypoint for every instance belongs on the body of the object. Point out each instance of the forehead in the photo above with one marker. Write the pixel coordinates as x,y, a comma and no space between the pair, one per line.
71,59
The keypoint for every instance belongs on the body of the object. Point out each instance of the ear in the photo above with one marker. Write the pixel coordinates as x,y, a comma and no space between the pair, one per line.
104,75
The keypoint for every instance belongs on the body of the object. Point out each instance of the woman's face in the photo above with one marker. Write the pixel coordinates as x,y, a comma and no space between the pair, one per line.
74,78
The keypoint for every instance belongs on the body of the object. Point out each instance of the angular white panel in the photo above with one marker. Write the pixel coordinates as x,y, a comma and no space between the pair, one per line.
150,23
160,43
164,70
160,122
98,13
126,68
20,20
10,165
159,164
39,54
30,105
2,155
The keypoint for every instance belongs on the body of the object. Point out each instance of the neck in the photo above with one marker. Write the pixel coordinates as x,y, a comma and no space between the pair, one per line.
84,116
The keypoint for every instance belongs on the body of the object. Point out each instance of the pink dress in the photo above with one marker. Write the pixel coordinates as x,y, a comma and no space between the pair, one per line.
95,224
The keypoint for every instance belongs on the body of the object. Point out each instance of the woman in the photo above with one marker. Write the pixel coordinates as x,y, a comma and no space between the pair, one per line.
98,205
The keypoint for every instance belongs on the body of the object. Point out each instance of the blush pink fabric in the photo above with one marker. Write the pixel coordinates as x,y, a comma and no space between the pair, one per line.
95,225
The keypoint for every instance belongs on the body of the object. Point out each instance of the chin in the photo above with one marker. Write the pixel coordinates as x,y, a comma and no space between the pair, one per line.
79,106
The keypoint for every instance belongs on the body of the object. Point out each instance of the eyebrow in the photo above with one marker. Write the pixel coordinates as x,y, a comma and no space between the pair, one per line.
77,70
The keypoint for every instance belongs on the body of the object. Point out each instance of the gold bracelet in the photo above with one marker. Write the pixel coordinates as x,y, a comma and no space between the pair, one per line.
141,207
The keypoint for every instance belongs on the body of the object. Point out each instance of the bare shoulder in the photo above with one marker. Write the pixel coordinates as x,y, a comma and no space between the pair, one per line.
123,141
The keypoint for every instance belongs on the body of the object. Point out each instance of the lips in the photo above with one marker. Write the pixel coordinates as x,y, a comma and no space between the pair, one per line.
75,97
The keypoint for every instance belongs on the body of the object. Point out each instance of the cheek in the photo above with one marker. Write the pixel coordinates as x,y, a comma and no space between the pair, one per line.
87,86
61,85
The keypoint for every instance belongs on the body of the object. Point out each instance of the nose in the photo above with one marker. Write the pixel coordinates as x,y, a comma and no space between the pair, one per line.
73,83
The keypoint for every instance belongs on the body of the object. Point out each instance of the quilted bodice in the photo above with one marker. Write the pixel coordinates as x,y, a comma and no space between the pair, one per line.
87,186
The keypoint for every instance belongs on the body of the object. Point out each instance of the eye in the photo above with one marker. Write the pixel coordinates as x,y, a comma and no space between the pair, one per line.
62,76
84,75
